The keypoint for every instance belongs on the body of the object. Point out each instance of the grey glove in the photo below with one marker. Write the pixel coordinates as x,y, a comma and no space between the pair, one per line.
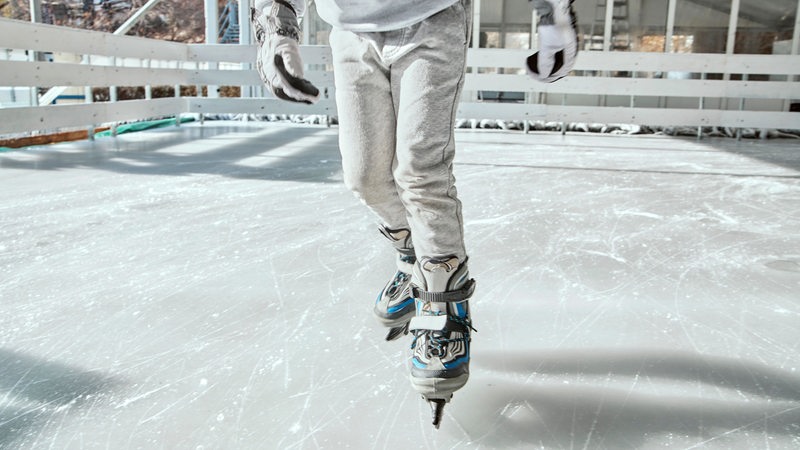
278,61
558,41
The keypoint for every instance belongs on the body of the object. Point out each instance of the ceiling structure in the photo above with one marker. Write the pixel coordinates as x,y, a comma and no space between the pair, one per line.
778,13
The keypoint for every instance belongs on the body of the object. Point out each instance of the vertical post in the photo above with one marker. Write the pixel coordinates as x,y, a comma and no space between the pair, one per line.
212,21
669,46
671,8
476,39
245,38
148,88
745,77
476,24
245,35
88,97
795,50
534,42
36,11
530,96
608,30
36,17
112,90
701,106
796,34
13,92
212,34
733,24
177,95
730,46
305,24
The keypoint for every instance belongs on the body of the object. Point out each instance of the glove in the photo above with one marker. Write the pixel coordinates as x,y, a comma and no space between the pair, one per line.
278,60
558,41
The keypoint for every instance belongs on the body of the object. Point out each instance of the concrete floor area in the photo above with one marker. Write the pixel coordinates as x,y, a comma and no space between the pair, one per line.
210,287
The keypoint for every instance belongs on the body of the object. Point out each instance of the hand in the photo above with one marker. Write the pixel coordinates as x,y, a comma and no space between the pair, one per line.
278,60
558,41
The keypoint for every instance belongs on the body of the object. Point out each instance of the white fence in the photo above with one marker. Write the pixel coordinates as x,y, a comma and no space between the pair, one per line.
752,91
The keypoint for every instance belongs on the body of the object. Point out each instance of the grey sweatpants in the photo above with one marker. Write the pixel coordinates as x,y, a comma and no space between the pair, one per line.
397,93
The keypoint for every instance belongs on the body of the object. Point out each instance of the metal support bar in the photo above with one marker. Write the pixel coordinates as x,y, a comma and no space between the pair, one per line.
54,92
732,27
128,24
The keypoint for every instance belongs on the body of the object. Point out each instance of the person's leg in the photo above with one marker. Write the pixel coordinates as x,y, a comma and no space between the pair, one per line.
367,143
427,83
367,124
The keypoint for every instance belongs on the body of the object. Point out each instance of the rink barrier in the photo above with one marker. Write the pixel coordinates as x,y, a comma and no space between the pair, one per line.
654,89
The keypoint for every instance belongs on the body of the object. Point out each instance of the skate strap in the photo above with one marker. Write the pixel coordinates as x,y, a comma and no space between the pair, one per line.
436,323
459,295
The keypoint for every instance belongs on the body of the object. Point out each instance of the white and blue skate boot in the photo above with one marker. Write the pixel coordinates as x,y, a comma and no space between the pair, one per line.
439,361
394,306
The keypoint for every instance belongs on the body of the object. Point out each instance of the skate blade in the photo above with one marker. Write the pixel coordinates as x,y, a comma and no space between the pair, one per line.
437,410
397,332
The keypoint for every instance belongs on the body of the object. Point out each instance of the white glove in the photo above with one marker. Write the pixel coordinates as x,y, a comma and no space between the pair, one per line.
558,41
278,61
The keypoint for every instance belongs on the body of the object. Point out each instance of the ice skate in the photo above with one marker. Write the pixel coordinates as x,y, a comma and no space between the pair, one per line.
439,360
394,306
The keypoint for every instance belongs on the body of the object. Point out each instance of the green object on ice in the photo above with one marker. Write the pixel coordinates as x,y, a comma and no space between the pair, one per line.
147,125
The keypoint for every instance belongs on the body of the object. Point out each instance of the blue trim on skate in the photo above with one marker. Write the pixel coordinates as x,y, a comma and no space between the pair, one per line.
451,365
400,306
456,363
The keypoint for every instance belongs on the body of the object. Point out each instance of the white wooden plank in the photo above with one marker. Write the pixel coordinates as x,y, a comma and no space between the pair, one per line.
675,117
649,62
501,111
257,106
18,73
65,116
641,116
25,73
18,34
250,77
311,54
658,87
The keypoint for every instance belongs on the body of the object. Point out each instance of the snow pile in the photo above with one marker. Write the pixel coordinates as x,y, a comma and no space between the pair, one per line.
540,125
628,129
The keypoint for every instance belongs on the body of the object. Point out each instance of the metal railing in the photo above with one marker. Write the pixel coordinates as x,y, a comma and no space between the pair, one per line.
229,23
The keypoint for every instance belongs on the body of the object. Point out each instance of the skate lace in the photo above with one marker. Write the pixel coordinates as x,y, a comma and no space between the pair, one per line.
399,281
437,341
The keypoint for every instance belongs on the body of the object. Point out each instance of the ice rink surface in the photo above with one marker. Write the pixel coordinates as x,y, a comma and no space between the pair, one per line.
210,287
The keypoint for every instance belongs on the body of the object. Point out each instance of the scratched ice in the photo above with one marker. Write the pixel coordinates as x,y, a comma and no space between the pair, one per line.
211,287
